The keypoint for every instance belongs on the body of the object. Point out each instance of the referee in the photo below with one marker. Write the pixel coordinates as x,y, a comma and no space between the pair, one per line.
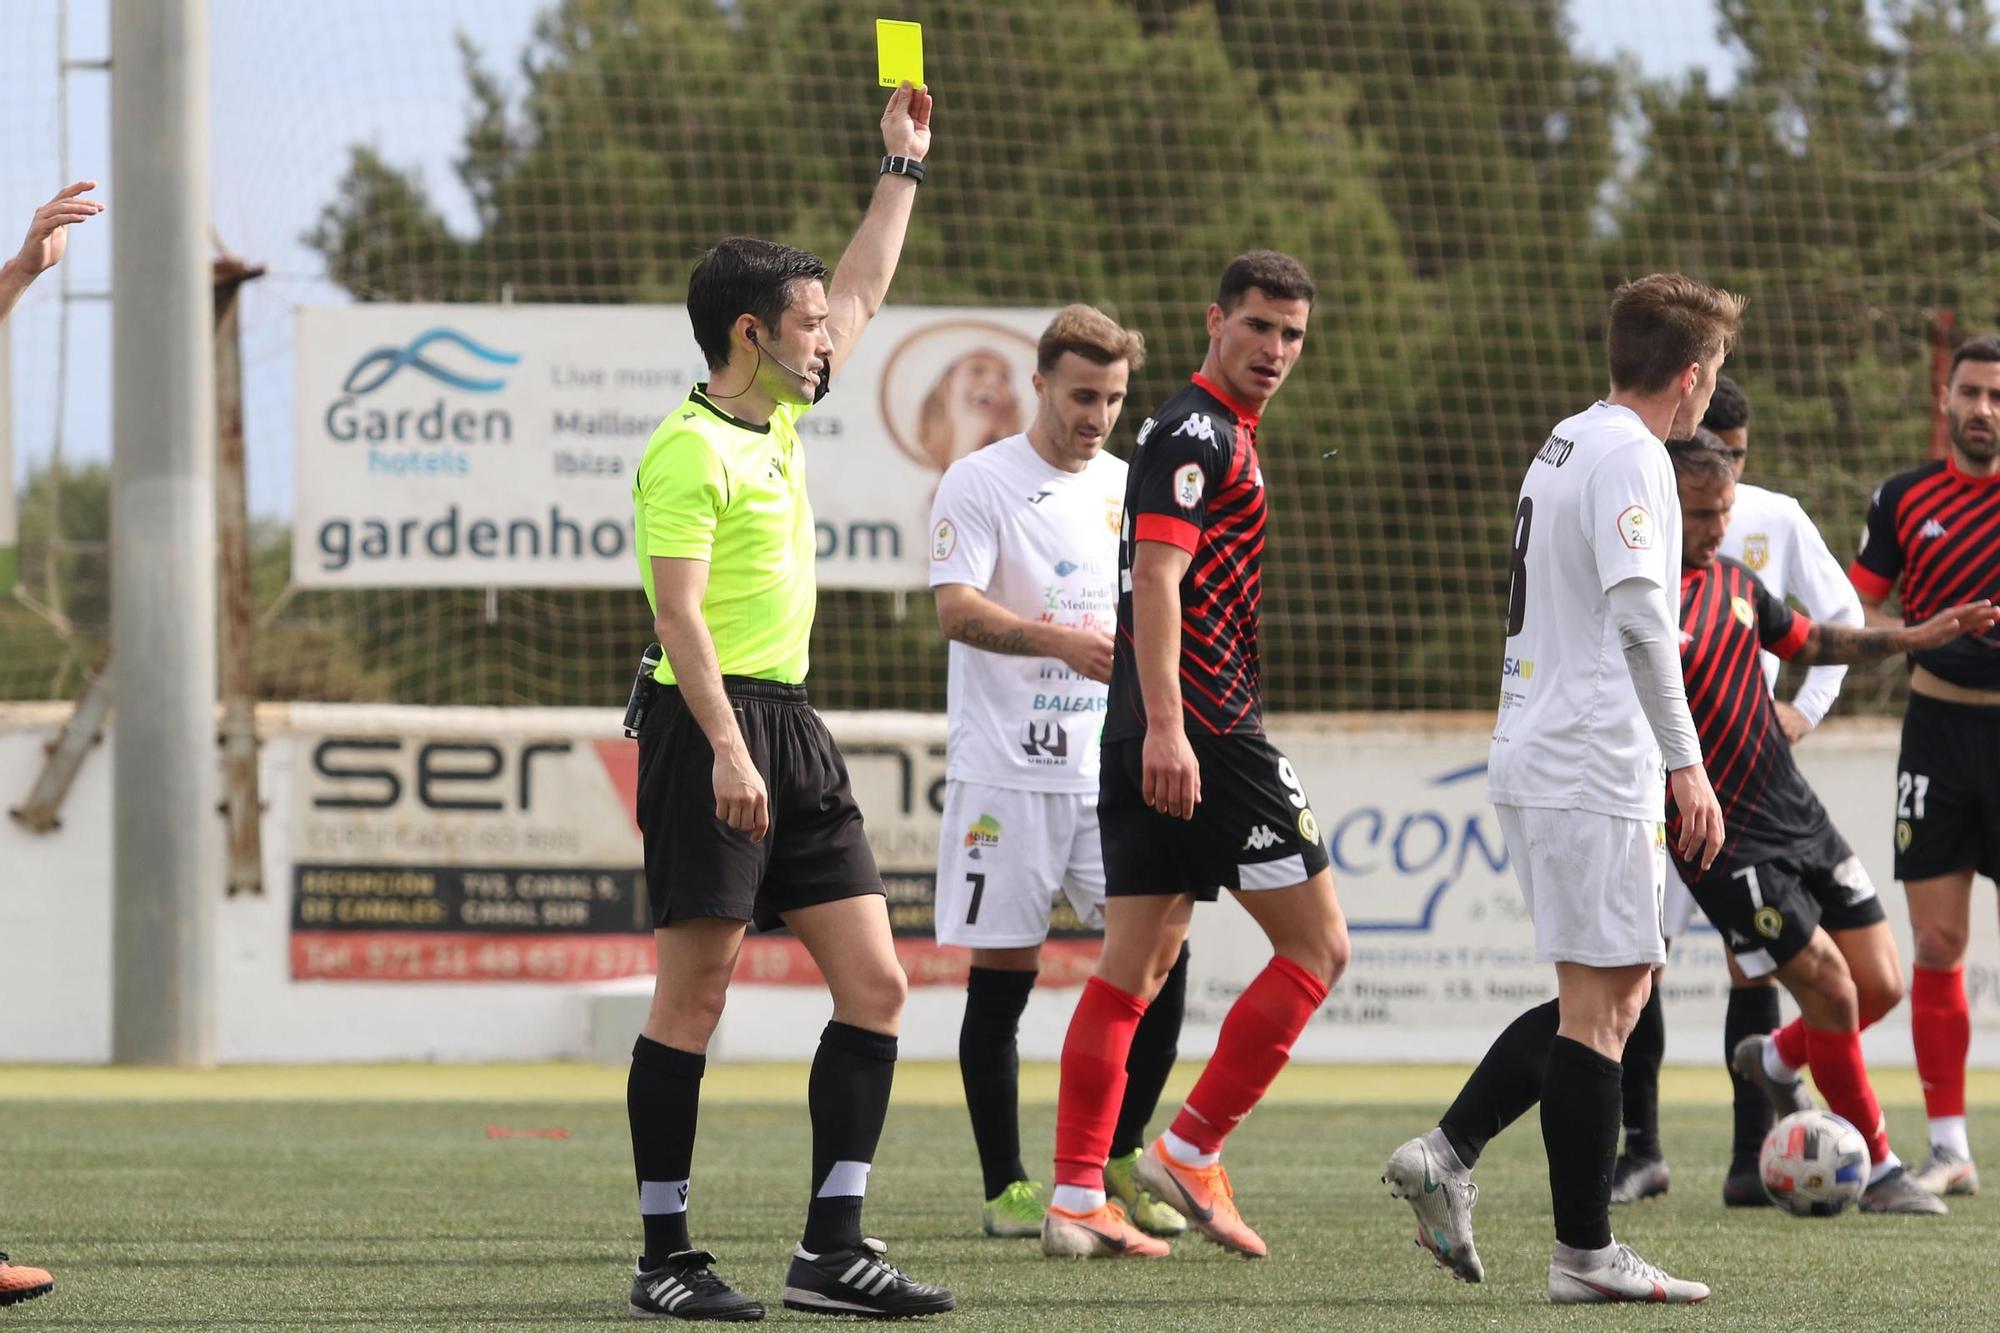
743,798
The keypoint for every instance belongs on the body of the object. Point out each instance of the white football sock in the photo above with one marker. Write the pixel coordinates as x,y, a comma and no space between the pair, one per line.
1077,1199
1884,1167
1186,1153
1948,1132
1775,1067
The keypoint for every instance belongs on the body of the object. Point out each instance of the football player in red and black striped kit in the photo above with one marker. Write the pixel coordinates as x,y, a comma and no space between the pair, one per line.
1193,796
1935,531
1790,897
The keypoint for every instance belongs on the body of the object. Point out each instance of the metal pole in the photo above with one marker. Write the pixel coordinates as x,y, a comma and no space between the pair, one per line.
8,522
164,769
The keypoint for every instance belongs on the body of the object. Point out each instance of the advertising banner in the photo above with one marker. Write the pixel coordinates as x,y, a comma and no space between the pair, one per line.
495,445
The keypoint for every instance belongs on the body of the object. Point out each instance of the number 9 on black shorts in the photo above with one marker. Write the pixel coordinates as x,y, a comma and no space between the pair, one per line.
1253,828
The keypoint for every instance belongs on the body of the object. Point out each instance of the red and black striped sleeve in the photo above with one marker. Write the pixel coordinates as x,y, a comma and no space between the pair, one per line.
1879,562
1779,628
1175,475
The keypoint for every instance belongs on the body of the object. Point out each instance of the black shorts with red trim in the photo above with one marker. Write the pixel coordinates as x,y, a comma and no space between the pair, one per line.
815,851
1948,790
1252,829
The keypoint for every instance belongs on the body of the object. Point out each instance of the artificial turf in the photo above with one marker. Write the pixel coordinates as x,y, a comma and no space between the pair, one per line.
330,1205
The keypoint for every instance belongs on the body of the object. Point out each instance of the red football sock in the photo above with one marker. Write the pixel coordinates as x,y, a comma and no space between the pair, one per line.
1093,1081
1842,1079
1941,1026
1254,1044
1791,1043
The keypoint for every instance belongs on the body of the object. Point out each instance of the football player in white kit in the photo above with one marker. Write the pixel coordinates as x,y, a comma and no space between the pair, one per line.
1591,703
1771,533
1024,561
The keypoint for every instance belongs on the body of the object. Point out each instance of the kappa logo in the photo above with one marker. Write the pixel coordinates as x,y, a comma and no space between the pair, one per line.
1188,484
1737,939
1931,528
1260,839
1635,528
1198,426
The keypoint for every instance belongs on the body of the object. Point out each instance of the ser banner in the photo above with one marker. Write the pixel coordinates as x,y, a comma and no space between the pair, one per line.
494,445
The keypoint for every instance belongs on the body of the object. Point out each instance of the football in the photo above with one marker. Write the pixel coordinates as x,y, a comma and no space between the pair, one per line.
1814,1164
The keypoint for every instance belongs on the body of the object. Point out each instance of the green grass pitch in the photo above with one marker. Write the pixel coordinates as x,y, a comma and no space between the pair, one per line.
375,1198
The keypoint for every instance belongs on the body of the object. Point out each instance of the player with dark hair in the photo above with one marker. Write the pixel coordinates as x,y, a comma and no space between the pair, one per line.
743,797
1193,796
1790,897
41,250
1591,700
1934,534
1025,702
1771,534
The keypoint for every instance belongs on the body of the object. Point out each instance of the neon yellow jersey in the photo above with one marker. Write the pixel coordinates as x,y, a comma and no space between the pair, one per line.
714,488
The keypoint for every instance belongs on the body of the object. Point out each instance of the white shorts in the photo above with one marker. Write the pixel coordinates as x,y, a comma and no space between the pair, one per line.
1592,883
1007,857
1677,907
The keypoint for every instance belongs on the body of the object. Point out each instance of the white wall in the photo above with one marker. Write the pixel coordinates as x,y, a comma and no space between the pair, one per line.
1442,958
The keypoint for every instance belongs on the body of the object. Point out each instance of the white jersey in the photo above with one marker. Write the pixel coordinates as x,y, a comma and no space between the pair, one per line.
1043,543
1771,533
1598,507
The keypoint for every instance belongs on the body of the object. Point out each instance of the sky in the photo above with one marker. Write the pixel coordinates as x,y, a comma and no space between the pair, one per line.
294,84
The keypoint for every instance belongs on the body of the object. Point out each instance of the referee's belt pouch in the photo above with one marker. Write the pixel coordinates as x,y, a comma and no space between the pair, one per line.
645,691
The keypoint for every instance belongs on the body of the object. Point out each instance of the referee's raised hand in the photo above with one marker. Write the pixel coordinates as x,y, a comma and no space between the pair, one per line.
741,800
906,123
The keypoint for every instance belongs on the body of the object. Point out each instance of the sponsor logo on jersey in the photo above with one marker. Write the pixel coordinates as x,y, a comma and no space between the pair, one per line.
1065,568
1045,743
1635,528
1039,496
944,540
1517,668
1757,551
1187,486
1769,921
1740,608
1198,426
983,832
1931,528
1260,838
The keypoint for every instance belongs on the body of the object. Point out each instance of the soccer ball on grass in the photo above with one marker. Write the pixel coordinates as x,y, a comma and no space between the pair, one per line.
1814,1164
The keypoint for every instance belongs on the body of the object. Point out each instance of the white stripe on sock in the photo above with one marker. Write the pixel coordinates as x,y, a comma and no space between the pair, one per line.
662,1196
847,1180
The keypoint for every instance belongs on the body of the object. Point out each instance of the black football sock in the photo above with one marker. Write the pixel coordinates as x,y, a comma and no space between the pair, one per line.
1507,1082
662,1095
848,1097
1752,1011
989,1064
1154,1048
1643,1052
1580,1104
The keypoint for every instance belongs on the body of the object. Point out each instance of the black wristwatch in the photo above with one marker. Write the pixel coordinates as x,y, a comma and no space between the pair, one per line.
897,165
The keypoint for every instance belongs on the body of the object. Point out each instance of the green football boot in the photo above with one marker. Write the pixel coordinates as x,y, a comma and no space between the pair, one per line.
1149,1214
1015,1211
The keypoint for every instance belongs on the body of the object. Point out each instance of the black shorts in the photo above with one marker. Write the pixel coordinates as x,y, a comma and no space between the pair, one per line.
1252,829
696,865
1767,911
1948,790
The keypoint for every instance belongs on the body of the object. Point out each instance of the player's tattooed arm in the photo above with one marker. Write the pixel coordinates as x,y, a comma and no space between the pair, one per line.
974,633
1846,645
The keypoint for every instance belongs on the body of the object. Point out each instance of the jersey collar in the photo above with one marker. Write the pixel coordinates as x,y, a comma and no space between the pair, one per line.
1951,466
1215,391
699,396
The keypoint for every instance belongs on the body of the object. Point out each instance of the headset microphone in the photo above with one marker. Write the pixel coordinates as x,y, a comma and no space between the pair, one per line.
752,333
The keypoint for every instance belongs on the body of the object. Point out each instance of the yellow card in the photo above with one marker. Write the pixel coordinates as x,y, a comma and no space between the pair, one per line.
899,52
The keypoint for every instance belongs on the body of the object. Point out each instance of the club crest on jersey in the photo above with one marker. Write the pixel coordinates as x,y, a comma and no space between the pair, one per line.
1905,835
1740,608
944,540
1114,515
984,832
1635,528
1757,551
1188,482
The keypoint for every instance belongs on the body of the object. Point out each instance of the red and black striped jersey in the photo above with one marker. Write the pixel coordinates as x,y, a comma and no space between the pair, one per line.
1194,483
1937,530
1727,617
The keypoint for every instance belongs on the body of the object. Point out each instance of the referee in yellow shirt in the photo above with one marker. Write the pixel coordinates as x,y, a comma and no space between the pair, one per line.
743,796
